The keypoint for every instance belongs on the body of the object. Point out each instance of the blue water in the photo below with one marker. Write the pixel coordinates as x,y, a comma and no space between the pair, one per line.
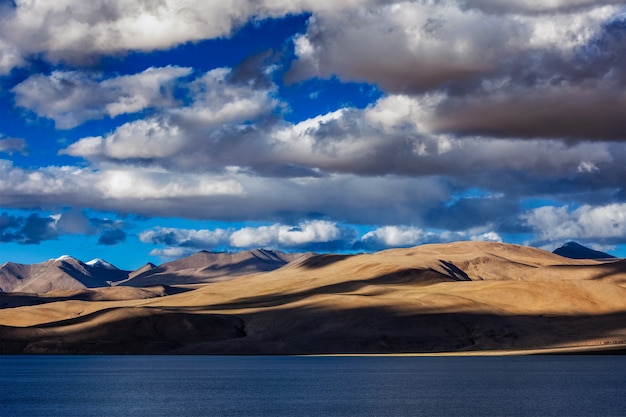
312,386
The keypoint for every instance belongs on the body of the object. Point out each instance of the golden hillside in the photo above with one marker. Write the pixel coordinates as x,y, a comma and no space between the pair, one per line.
458,297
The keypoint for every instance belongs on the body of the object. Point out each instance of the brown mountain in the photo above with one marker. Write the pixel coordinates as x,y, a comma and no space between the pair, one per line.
464,297
205,267
64,273
67,273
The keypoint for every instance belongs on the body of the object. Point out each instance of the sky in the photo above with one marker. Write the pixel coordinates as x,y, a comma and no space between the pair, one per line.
143,131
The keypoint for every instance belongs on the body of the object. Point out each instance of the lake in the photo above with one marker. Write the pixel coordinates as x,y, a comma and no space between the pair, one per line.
312,386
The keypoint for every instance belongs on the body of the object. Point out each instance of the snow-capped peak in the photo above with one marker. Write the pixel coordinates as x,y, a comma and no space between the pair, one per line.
101,263
65,258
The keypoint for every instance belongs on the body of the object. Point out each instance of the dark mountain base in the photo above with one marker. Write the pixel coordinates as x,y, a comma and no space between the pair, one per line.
307,331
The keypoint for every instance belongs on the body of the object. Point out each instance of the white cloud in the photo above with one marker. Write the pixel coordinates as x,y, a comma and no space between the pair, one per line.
188,132
585,222
368,166
316,234
223,154
10,57
149,138
394,136
278,235
303,236
117,188
487,237
232,194
217,101
588,167
41,184
72,97
407,236
396,236
396,112
132,183
371,166
76,31
205,239
171,252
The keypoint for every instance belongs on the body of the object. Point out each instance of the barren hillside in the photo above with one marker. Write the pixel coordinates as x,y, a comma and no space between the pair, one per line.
459,297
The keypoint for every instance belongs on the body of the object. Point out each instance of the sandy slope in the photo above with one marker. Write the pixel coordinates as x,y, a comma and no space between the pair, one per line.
466,296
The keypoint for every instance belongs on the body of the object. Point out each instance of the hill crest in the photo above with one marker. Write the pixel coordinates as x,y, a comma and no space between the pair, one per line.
467,260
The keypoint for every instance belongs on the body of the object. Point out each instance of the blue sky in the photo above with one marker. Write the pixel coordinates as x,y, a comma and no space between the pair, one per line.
146,131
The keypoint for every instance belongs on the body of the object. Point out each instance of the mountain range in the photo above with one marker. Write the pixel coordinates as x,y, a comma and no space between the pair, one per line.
64,273
461,298
68,273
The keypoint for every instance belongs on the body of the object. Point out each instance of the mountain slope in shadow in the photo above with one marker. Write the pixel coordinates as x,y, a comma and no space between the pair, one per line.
575,250
204,267
64,273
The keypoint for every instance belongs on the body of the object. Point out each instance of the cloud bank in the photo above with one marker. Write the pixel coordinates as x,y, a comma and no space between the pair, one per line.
36,228
315,235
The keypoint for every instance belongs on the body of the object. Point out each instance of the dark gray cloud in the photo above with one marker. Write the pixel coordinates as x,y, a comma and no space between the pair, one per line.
8,228
557,72
112,237
254,70
412,47
112,232
564,111
8,221
534,6
36,229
